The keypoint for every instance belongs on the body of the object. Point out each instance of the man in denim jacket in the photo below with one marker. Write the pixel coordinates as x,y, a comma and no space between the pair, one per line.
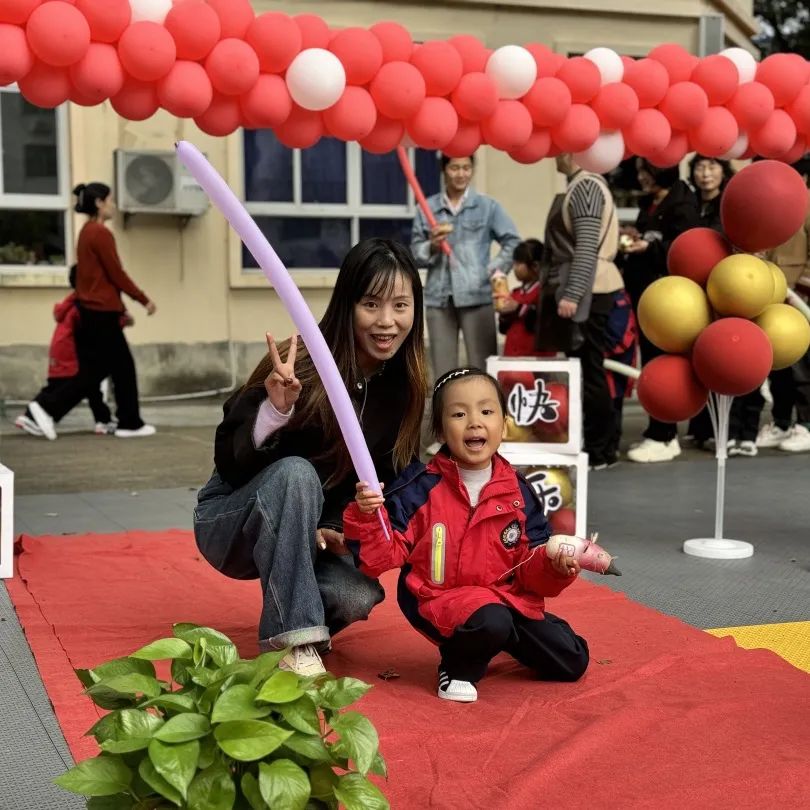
458,294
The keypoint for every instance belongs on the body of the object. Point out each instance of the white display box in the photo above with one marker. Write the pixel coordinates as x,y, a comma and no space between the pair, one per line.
6,523
561,484
543,403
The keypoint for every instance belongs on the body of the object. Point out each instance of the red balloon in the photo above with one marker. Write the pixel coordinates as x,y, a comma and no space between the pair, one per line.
385,136
475,97
678,62
186,90
616,105
136,101
548,101
535,149
315,32
58,34
235,17
17,11
685,105
303,128
268,103
276,39
582,77
222,117
717,133
799,110
563,521
46,86
763,206
147,51
99,75
509,127
395,39
558,430
695,252
780,75
718,76
435,123
649,79
474,54
466,140
398,90
673,153
441,65
752,105
233,67
577,131
732,356
775,137
669,390
195,27
548,62
16,59
360,53
796,151
353,117
648,132
107,18
77,97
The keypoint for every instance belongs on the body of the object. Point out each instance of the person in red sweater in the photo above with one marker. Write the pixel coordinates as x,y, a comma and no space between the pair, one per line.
517,311
102,348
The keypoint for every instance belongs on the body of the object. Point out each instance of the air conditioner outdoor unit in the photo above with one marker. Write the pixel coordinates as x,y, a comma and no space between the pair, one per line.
156,183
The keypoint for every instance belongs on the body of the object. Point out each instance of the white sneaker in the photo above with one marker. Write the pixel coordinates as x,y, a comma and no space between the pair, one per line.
771,436
798,441
26,423
105,428
143,430
650,451
43,419
742,448
303,661
457,691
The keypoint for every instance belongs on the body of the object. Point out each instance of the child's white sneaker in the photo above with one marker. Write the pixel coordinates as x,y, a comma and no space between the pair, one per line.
143,430
651,451
771,436
457,691
303,660
26,423
742,448
798,441
105,428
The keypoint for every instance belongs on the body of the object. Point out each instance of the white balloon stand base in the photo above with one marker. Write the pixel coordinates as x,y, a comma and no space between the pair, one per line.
719,547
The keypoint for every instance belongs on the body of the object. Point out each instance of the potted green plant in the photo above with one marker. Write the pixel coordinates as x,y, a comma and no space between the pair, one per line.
224,732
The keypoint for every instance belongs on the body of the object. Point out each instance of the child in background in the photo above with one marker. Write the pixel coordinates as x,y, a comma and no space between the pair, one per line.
517,311
470,535
63,367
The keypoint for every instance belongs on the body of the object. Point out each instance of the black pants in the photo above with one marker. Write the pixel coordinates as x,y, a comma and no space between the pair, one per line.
597,404
58,388
801,380
549,647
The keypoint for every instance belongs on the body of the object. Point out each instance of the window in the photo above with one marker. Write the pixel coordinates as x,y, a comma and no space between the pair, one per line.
33,184
314,204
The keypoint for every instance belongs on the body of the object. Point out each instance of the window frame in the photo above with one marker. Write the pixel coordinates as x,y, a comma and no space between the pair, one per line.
28,274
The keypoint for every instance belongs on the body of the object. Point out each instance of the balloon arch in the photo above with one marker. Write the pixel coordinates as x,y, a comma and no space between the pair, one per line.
218,63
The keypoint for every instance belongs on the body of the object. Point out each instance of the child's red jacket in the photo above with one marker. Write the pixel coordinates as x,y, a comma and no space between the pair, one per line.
460,558
62,358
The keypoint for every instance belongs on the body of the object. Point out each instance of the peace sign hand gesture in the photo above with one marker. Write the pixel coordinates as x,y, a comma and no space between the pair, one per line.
283,387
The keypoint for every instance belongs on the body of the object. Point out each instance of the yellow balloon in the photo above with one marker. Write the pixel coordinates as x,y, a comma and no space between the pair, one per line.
556,476
518,433
789,333
672,312
741,285
780,286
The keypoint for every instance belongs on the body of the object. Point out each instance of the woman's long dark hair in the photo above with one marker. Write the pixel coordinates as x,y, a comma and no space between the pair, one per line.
88,196
370,268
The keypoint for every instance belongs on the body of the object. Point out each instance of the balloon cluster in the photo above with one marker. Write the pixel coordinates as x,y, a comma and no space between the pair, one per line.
217,62
720,313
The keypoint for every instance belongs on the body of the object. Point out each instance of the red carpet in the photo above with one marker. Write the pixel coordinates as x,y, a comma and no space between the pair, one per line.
667,716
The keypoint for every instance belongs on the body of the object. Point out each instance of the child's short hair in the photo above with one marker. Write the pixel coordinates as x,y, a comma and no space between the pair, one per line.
74,268
528,251
442,385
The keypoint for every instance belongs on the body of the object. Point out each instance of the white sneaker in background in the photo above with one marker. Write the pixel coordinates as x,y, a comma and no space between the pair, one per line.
771,436
457,691
143,430
26,423
105,428
651,452
798,441
743,448
43,420
303,661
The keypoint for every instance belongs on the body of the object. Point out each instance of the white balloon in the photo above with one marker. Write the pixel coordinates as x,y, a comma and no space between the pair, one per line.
150,10
609,63
738,150
603,155
513,70
316,79
745,62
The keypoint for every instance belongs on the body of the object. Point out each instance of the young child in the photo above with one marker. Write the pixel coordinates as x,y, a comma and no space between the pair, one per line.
63,368
470,534
517,311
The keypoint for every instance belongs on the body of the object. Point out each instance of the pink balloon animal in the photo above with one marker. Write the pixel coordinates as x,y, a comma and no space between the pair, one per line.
587,553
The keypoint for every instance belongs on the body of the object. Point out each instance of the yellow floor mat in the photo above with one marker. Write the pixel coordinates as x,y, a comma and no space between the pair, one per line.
791,640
